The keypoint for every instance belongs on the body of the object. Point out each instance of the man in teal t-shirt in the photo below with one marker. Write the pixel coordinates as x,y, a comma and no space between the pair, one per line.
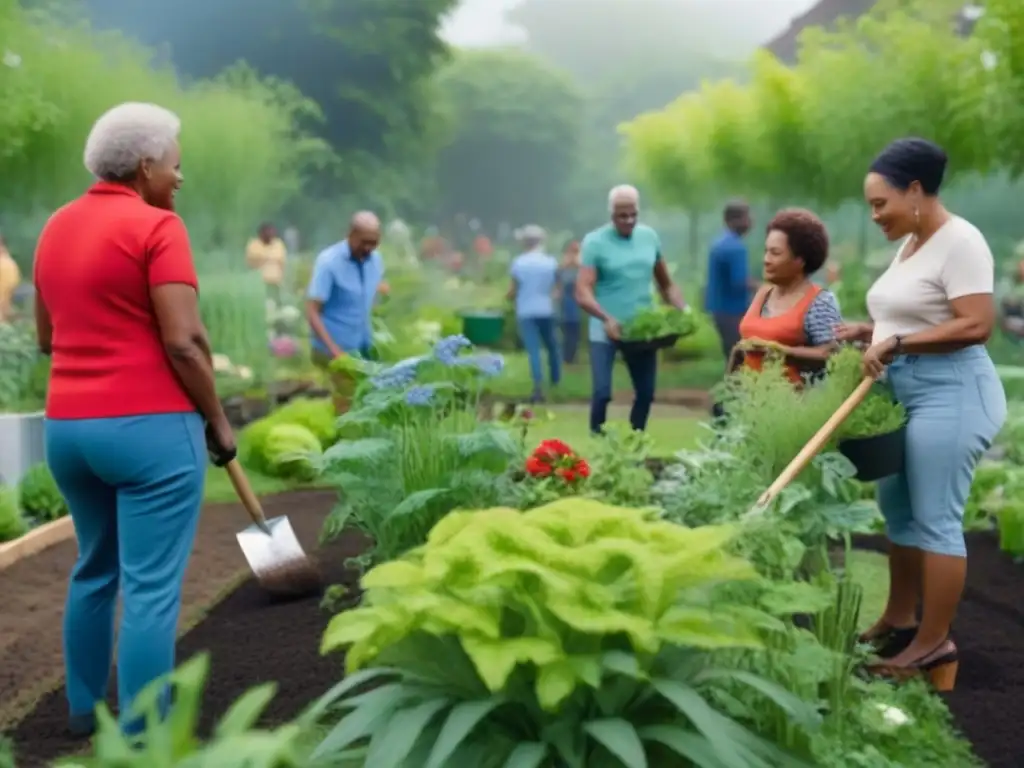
614,284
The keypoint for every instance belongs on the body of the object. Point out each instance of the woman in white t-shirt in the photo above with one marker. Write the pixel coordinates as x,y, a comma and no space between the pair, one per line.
932,312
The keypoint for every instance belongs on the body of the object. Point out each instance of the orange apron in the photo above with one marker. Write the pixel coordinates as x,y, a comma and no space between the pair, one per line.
786,329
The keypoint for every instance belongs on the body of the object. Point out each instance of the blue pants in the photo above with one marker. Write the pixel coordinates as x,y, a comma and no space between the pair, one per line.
956,406
643,372
134,486
570,340
536,332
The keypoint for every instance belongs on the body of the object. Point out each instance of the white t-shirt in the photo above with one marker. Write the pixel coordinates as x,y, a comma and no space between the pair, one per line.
914,293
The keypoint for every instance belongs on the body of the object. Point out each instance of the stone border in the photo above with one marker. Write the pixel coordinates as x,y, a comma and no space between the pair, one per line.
35,541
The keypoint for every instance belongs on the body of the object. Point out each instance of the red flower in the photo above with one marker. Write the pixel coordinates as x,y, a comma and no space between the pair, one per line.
568,475
582,468
537,467
553,449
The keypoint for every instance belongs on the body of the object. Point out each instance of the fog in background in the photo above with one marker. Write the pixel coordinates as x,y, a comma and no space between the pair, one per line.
734,24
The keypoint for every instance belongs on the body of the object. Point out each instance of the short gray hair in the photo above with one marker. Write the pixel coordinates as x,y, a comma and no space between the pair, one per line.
532,234
125,136
624,193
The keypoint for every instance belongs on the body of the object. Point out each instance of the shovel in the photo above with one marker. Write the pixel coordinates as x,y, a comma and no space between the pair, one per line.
813,447
270,547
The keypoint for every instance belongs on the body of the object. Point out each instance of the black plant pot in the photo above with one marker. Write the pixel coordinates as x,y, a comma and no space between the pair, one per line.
877,456
648,345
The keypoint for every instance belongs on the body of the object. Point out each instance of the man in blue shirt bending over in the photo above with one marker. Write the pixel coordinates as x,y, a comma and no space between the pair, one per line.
729,283
342,289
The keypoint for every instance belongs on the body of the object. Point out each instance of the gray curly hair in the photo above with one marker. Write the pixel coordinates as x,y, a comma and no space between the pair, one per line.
125,136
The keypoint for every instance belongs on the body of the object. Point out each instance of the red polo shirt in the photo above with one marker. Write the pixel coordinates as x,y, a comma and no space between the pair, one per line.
96,261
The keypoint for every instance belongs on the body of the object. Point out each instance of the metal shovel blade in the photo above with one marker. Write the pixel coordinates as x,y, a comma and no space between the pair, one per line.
269,553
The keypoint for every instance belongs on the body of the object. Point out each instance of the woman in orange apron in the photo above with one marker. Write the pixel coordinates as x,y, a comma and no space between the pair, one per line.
790,313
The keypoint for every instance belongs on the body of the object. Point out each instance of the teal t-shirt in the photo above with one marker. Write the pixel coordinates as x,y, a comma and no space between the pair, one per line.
625,271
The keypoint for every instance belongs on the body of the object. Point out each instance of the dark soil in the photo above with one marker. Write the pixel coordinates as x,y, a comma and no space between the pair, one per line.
989,633
253,637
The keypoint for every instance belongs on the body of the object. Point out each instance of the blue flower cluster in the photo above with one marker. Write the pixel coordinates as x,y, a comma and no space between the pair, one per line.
397,376
489,365
420,395
447,349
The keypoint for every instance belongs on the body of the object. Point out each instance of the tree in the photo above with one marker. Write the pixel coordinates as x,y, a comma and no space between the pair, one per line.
809,133
515,127
366,63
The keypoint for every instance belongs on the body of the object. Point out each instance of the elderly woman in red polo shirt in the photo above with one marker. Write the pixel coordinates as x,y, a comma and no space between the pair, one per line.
131,410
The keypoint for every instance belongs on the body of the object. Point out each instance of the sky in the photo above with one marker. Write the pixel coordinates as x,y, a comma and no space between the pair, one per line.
480,23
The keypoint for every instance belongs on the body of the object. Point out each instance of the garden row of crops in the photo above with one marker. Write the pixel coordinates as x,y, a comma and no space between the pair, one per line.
528,605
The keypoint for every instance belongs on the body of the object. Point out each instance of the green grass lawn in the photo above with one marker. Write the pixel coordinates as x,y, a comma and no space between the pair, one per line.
515,383
871,571
673,428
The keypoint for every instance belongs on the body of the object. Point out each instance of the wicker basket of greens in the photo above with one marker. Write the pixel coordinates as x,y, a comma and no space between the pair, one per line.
656,328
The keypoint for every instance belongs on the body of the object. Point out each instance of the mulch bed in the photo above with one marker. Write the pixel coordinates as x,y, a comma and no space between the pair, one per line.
989,633
252,638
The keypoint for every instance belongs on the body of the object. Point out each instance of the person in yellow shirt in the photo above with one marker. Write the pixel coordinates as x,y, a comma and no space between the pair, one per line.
267,253
10,279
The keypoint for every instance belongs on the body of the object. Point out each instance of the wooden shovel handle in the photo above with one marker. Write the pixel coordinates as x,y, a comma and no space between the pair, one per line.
245,493
816,443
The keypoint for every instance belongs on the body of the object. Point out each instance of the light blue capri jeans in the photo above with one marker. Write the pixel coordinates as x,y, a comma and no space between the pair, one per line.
134,486
956,405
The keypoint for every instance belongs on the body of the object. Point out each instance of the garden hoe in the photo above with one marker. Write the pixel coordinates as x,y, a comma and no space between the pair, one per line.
814,445
271,548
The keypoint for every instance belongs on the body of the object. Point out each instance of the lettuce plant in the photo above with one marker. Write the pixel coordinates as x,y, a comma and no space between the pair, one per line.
574,634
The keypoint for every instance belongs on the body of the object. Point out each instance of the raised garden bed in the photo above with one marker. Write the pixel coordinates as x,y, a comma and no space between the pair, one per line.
989,633
252,639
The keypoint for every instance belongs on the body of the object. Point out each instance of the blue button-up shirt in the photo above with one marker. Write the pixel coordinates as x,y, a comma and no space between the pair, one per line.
347,288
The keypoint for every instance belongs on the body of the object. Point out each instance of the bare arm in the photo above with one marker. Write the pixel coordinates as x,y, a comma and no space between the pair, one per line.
669,291
314,310
974,317
510,294
44,326
176,306
585,282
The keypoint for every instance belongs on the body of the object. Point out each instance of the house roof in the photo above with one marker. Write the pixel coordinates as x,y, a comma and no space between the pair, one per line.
827,12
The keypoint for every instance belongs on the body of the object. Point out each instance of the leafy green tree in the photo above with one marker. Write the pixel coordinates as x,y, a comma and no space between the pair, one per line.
515,126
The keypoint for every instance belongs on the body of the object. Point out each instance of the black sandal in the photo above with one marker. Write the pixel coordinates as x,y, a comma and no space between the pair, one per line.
891,641
941,669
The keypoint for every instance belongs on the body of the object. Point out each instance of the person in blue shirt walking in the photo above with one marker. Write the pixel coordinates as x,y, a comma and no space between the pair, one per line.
533,276
729,284
342,289
566,292
614,284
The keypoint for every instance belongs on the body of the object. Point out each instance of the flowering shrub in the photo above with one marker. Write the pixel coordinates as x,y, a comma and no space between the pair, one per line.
555,459
422,449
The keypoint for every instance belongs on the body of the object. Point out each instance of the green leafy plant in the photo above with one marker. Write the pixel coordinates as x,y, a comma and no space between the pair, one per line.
19,354
878,414
575,634
39,495
259,451
425,453
12,522
174,742
619,473
657,322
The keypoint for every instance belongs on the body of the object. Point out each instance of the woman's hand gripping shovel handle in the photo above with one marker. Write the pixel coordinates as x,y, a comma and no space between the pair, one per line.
227,459
813,447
